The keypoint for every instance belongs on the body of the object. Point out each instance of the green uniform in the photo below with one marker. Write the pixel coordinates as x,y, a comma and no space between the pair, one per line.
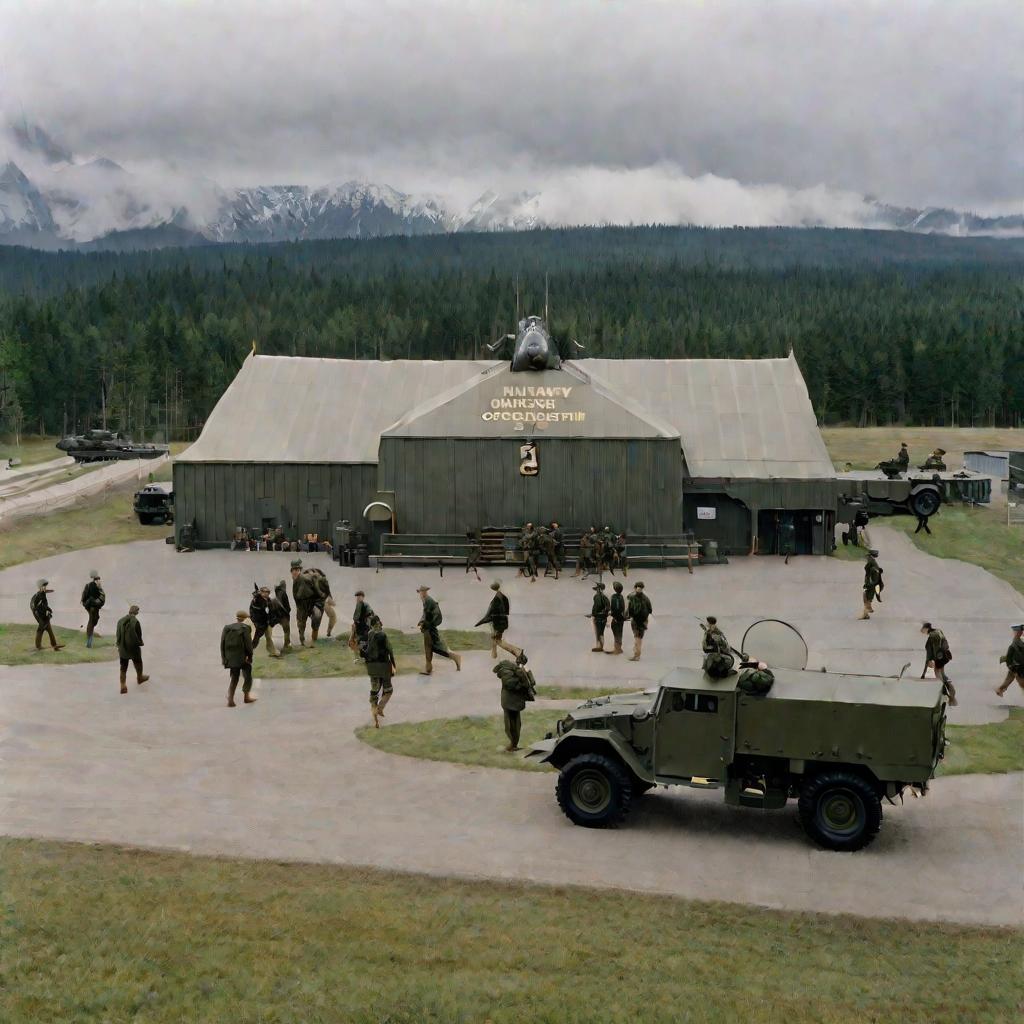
517,687
936,650
128,637
42,613
380,667
93,599
617,608
583,563
872,580
1014,659
715,642
429,623
599,612
639,608
307,592
236,655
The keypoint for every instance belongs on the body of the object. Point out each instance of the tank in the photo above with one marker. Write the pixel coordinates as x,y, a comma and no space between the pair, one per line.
107,446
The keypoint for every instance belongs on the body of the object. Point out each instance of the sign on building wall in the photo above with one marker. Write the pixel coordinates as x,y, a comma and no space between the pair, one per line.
535,404
706,513
528,464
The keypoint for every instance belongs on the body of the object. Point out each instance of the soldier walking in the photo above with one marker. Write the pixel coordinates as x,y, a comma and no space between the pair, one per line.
475,554
43,613
259,613
583,558
129,646
872,582
281,614
307,593
497,616
619,558
937,657
432,642
326,599
93,599
1014,661
517,687
618,615
236,656
380,667
599,612
559,542
360,631
638,611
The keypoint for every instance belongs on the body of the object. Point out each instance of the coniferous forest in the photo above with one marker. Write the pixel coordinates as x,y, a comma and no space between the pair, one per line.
887,327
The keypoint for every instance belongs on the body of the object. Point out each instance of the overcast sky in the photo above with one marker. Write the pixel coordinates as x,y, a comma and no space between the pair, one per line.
917,103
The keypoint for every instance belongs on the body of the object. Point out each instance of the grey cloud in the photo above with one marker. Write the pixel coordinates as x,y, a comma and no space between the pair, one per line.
918,103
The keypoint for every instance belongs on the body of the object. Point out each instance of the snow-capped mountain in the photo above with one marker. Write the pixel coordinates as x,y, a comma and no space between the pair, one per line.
51,198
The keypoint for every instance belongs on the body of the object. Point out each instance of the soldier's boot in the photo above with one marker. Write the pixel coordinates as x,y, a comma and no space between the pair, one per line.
231,694
88,640
375,713
428,665
248,698
314,634
617,649
637,644
302,639
457,658
494,648
382,701
124,680
140,678
599,646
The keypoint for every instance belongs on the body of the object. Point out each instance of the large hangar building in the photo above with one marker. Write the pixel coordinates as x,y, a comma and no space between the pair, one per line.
723,447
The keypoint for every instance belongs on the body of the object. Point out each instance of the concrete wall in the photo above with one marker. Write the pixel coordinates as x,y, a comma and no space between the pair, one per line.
221,496
450,485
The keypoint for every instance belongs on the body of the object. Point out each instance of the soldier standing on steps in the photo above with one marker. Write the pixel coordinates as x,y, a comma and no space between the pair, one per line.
618,614
497,617
129,646
380,667
236,656
93,599
429,622
638,611
599,612
517,687
43,613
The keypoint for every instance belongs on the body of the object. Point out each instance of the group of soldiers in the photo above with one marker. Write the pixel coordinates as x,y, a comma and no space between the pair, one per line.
275,539
636,608
602,551
901,463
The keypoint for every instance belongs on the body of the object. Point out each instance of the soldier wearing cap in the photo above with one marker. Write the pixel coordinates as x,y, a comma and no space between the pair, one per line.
129,646
497,616
380,667
93,599
517,687
638,611
307,592
714,641
360,631
1014,661
259,615
937,657
325,599
43,613
429,622
872,582
617,607
599,612
236,656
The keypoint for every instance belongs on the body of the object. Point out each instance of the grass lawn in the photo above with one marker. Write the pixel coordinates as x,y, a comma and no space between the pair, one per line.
580,693
31,450
992,748
18,645
91,934
976,535
865,447
334,658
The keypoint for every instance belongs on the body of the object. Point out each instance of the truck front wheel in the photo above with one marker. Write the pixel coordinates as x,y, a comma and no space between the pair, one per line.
840,810
594,791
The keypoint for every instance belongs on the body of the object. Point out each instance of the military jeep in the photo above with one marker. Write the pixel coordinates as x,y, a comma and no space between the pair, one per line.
838,744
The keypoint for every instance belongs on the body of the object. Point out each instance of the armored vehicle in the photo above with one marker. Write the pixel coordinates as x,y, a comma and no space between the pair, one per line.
838,744
107,446
154,504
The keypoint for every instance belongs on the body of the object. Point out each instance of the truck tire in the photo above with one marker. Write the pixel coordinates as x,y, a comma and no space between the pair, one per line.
925,502
840,810
144,519
594,791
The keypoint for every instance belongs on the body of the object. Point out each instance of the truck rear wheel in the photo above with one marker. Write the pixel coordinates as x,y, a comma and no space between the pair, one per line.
840,810
925,502
594,791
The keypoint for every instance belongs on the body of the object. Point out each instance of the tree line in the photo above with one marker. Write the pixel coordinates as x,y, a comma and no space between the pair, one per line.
887,327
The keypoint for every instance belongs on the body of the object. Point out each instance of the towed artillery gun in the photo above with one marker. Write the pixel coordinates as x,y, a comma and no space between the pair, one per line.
107,446
837,743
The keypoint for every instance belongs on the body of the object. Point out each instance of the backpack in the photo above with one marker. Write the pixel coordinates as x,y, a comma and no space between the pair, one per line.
719,665
755,680
947,654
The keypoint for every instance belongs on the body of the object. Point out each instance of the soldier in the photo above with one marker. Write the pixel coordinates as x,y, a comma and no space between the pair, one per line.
714,639
937,657
360,631
597,550
517,687
557,537
902,460
259,613
380,667
42,613
129,646
326,603
550,546
638,611
432,642
475,554
618,614
281,614
599,612
1014,661
497,616
279,541
529,543
307,593
935,460
583,560
93,599
619,558
236,656
872,582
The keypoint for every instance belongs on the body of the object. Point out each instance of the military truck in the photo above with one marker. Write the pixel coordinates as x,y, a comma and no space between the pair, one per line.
154,504
837,743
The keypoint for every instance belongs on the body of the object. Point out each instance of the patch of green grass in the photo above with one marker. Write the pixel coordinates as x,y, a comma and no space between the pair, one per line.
865,447
849,552
466,740
18,645
992,748
580,692
976,535
93,934
32,449
335,658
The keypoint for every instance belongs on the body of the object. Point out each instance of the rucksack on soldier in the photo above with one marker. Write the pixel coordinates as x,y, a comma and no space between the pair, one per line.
947,654
718,665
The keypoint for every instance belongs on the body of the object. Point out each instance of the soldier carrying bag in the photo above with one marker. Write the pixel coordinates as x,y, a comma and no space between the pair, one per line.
718,664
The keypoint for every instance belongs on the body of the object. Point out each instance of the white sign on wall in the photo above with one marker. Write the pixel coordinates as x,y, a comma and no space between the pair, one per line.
707,513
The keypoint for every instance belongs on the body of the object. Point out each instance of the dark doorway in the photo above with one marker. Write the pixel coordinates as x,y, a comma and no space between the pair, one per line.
796,531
